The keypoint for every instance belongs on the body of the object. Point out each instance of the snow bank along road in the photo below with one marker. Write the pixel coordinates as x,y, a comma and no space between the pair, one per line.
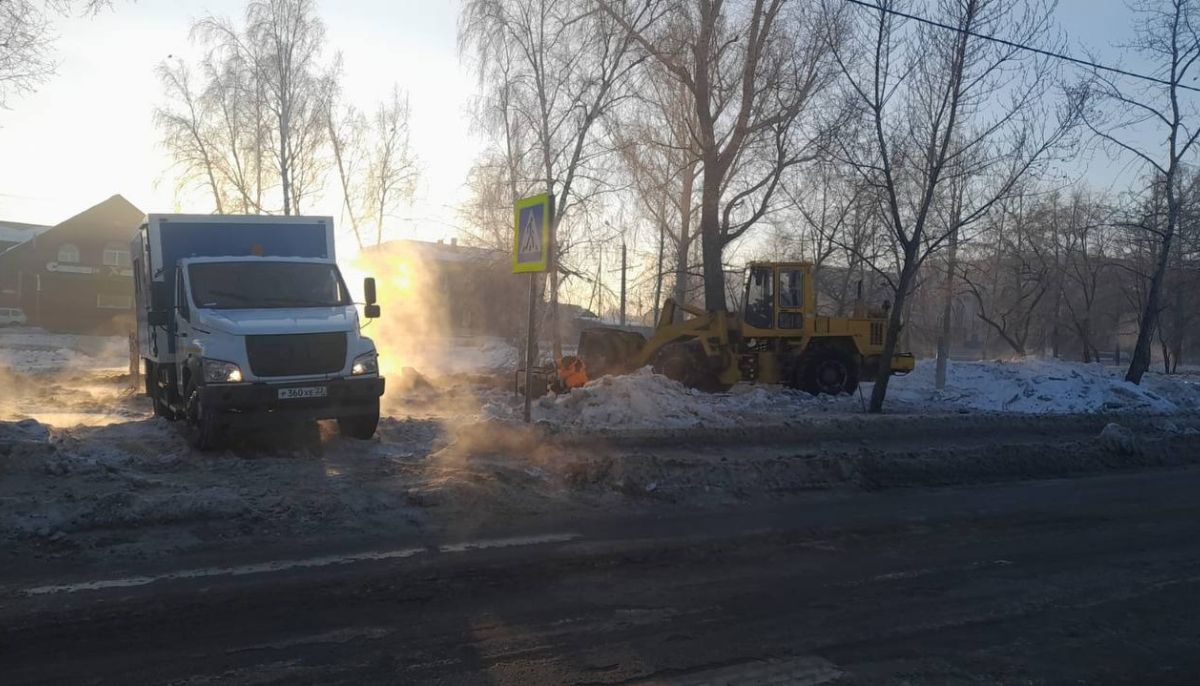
133,492
88,478
1089,580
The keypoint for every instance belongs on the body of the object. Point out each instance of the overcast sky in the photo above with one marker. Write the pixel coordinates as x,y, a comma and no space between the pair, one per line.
88,133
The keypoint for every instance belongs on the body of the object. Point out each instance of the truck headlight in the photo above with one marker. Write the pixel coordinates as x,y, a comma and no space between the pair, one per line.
365,364
220,371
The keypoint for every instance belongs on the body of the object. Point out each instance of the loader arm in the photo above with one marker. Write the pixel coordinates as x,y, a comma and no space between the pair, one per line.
617,351
707,327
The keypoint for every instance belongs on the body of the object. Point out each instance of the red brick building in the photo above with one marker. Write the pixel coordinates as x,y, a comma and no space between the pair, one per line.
76,276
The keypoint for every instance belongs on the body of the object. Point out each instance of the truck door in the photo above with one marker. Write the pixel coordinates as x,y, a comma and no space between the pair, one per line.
182,319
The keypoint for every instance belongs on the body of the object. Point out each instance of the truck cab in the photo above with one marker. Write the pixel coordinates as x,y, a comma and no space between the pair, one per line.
245,321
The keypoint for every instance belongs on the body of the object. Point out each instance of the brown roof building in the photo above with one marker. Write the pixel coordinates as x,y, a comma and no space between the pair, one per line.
76,276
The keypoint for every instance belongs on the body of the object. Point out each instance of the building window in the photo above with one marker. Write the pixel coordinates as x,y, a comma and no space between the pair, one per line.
68,254
111,301
116,256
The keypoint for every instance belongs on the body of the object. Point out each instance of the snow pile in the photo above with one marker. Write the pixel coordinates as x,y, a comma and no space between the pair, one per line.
24,431
644,400
1038,387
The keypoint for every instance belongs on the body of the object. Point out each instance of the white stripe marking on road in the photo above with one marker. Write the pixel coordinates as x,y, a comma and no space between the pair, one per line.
285,565
506,542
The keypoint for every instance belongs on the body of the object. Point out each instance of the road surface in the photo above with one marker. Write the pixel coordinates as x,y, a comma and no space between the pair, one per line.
1090,580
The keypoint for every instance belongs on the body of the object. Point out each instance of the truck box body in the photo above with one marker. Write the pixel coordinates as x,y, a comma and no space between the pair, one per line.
259,295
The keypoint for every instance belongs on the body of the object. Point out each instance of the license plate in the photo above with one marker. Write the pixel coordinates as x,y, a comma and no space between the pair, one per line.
302,392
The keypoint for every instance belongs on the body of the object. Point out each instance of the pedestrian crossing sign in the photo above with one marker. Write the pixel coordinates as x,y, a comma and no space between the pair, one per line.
531,233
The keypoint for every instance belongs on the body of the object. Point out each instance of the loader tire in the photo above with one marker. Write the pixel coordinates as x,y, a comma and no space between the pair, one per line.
687,364
829,371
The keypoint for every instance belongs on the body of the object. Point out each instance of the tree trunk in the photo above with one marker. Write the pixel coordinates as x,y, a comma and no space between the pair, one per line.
1085,337
284,172
658,273
1140,361
943,348
685,239
1055,336
892,336
710,239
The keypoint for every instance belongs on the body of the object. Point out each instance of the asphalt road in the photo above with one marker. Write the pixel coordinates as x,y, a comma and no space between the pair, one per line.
1093,580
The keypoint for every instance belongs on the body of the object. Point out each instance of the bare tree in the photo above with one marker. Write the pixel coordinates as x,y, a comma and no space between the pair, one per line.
929,96
347,138
391,166
281,47
375,164
953,219
27,41
751,70
502,174
653,135
1167,36
1009,288
186,132
560,67
1085,234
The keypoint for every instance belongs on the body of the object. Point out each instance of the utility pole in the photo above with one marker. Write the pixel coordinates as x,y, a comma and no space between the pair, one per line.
623,266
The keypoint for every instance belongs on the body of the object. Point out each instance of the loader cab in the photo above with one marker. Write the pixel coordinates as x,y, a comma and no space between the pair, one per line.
778,298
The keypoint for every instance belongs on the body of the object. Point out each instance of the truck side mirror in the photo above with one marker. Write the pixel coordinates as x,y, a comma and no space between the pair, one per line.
156,317
369,292
371,311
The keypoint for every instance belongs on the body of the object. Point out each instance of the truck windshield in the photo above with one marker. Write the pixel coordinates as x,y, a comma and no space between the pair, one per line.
256,285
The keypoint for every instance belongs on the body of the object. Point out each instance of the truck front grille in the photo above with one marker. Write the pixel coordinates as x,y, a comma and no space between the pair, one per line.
296,354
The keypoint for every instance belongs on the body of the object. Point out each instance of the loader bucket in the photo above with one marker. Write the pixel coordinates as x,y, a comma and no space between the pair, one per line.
604,351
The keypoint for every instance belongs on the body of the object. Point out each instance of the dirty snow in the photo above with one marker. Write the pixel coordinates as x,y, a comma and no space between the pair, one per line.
643,400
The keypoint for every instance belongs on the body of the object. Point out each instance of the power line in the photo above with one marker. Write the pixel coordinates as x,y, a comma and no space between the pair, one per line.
1021,46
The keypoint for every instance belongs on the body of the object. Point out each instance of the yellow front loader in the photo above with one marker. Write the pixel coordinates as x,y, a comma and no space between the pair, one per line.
777,338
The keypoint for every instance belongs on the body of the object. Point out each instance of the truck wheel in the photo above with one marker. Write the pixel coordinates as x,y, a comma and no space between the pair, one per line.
160,408
686,363
204,429
829,372
360,426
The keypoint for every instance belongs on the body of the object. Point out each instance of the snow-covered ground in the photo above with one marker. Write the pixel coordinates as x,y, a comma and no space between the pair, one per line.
83,467
65,379
437,357
33,351
645,400
1043,387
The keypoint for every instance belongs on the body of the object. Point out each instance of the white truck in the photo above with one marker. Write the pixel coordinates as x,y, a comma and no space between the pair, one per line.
246,320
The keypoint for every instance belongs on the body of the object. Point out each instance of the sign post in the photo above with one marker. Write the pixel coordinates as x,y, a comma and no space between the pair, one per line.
531,255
